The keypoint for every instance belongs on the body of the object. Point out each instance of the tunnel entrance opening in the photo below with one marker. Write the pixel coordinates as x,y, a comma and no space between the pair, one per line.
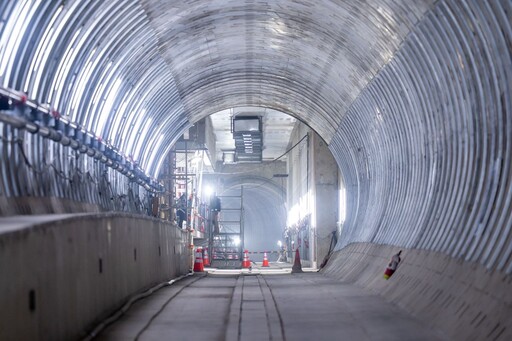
291,189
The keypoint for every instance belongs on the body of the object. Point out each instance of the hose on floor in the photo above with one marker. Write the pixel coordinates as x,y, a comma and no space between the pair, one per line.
128,304
334,240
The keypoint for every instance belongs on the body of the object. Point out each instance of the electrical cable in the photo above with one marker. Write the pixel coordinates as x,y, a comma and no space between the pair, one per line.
268,162
334,241
128,305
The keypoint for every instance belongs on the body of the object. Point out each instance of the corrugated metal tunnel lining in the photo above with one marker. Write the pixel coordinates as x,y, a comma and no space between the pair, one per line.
309,59
118,68
414,98
429,140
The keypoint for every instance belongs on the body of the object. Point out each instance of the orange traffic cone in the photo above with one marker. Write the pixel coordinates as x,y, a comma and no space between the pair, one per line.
246,262
206,259
265,260
198,264
297,267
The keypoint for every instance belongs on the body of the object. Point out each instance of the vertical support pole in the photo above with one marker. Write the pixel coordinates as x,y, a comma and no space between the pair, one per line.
199,188
171,183
313,202
186,183
242,229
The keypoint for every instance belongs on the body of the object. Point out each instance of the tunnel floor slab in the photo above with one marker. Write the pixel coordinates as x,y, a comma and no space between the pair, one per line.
266,306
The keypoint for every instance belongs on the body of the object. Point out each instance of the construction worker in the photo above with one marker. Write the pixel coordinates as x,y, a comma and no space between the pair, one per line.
181,205
282,253
215,208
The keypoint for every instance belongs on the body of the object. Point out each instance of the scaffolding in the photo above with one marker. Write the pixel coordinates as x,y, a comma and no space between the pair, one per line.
228,244
183,175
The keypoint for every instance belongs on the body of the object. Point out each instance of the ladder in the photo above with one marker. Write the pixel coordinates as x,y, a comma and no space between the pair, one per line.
227,246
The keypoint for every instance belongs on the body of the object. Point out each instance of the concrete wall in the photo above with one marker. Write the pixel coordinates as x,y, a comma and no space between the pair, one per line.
325,182
229,173
52,286
210,140
312,196
44,205
298,194
462,299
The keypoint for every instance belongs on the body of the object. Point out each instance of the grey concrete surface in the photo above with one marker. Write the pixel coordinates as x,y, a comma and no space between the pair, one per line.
464,300
61,274
265,305
16,223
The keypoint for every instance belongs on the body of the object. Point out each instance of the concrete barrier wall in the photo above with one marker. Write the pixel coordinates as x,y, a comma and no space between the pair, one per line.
44,205
461,299
59,278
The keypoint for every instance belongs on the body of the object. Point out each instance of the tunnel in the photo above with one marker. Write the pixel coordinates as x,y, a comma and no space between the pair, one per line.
411,100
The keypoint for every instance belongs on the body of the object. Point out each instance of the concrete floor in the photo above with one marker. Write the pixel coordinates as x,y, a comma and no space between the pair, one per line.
269,304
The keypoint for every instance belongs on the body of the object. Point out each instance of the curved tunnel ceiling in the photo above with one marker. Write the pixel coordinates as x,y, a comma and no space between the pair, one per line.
122,69
413,98
309,59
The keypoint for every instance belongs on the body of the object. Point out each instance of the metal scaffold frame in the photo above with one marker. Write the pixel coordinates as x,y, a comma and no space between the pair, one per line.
227,245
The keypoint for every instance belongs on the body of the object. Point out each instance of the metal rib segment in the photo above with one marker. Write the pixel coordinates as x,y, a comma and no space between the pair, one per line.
296,57
413,97
310,60
431,137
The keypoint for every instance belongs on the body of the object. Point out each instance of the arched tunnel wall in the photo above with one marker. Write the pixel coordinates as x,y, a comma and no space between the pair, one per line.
415,104
425,156
40,176
424,150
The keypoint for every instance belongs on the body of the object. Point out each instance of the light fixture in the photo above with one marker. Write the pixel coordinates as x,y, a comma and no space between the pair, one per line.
208,190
